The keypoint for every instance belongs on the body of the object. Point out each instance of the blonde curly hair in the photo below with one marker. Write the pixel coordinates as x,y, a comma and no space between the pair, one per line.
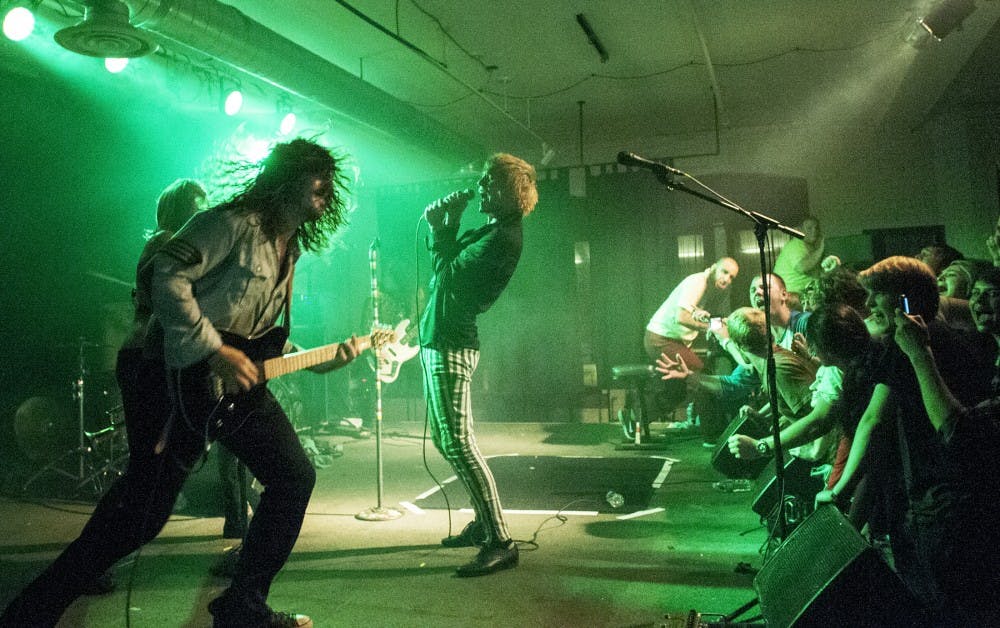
519,181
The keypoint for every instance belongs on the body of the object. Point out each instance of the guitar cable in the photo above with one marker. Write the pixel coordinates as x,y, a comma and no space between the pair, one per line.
159,451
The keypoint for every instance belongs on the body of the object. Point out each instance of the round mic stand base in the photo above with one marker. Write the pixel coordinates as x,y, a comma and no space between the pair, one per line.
377,513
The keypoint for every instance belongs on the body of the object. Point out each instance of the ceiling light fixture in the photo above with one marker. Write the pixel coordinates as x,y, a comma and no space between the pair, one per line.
115,65
592,36
18,23
944,18
288,118
106,32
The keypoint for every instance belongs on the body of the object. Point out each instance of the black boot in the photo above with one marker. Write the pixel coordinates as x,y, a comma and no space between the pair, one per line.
491,558
471,535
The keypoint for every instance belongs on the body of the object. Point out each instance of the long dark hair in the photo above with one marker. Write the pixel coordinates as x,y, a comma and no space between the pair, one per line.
281,183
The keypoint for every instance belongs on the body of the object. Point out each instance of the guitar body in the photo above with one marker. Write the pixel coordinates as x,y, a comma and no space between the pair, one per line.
197,392
270,345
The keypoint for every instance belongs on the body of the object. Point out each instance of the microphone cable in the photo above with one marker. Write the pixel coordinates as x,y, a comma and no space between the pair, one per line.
423,367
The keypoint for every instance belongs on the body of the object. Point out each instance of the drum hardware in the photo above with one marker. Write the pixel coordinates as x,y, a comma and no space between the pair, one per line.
99,456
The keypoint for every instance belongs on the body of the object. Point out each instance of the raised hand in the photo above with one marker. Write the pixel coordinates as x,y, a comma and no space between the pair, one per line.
672,369
911,333
993,246
800,346
829,263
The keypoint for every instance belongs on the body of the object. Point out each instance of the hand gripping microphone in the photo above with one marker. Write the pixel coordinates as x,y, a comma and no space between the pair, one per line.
452,204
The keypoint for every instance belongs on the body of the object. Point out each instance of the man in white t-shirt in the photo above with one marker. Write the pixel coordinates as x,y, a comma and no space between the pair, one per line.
686,313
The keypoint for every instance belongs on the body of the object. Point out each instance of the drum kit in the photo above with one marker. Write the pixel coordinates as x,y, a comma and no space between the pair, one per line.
85,453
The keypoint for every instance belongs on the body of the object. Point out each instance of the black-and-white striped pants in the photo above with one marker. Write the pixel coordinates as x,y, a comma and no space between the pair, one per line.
447,388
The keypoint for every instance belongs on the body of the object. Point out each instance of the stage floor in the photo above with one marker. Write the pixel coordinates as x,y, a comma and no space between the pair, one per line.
593,565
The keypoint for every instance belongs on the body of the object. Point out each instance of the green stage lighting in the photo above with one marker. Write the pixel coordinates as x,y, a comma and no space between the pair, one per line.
233,103
287,124
115,65
18,23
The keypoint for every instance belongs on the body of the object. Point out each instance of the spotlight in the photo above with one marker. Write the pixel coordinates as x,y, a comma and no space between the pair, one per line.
115,65
233,102
288,119
946,17
287,123
18,23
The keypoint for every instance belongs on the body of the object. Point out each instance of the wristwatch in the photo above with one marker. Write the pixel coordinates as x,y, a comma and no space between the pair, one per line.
763,448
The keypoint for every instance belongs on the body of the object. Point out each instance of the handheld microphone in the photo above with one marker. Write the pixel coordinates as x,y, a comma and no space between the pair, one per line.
458,196
631,159
453,203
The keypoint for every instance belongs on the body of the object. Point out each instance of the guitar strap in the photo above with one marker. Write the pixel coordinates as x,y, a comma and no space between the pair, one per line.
287,312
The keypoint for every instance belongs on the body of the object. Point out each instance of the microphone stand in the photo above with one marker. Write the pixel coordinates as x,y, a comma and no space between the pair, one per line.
378,512
762,224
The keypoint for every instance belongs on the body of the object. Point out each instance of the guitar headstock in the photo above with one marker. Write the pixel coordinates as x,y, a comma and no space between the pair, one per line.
382,335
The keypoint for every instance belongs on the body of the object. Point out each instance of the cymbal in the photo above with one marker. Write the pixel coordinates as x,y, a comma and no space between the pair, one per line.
80,343
110,279
42,427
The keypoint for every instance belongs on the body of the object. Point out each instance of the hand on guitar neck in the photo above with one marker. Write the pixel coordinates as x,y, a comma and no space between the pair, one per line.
345,353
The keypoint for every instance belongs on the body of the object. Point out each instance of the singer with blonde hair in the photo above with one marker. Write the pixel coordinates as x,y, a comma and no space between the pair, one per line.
470,273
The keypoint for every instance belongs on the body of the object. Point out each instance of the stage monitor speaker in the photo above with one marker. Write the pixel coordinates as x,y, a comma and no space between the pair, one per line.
729,465
800,492
826,574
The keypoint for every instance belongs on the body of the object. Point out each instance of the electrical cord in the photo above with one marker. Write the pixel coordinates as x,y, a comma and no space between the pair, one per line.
423,366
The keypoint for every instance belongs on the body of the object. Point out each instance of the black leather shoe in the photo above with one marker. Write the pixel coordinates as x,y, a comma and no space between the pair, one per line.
491,558
471,535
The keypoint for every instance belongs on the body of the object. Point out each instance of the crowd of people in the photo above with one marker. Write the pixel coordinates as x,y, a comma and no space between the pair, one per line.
888,384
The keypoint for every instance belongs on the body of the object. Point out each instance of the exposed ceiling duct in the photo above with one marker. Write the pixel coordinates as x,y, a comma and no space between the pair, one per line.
106,32
229,36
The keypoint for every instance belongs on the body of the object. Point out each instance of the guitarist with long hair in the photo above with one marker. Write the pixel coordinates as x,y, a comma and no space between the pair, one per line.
219,288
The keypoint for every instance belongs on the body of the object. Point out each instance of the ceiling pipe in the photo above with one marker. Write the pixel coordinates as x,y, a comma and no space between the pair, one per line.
232,38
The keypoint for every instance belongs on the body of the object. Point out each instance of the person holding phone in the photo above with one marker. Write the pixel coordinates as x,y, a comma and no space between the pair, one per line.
913,476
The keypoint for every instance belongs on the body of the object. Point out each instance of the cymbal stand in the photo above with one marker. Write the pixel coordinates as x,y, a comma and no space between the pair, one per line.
84,470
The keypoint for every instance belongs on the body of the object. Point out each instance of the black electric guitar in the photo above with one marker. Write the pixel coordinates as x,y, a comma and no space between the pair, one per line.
198,393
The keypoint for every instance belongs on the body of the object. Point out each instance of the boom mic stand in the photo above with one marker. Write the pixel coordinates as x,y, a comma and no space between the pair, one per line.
378,512
665,174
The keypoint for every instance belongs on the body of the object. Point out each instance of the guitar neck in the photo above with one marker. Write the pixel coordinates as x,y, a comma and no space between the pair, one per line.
292,362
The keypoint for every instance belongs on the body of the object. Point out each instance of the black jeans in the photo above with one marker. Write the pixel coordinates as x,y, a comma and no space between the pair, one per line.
237,493
138,505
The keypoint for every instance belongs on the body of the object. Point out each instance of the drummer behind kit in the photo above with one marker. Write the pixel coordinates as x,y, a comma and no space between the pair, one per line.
95,458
